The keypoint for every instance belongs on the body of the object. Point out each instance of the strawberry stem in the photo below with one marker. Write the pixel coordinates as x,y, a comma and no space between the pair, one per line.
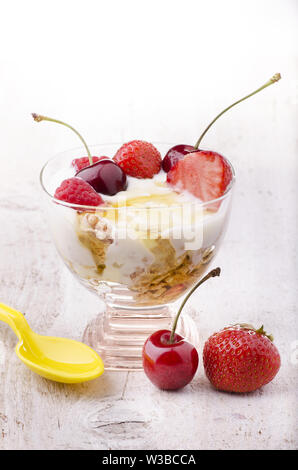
213,273
274,79
39,118
247,326
261,331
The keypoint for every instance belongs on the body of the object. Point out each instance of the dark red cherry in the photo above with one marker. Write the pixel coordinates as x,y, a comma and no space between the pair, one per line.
169,366
105,176
175,154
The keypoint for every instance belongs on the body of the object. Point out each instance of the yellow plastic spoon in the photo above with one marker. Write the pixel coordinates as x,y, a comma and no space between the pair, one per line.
59,359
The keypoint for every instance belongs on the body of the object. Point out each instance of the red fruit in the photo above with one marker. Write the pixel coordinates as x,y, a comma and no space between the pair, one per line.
105,177
139,159
240,359
175,154
169,366
204,174
77,191
169,361
83,162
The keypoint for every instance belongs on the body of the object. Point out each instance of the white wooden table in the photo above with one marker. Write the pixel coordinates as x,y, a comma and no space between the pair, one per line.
124,410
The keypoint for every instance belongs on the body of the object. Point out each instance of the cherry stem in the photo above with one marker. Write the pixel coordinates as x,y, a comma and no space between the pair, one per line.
213,273
274,79
39,118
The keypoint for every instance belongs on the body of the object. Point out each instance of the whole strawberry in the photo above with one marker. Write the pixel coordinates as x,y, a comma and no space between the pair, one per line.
139,159
240,359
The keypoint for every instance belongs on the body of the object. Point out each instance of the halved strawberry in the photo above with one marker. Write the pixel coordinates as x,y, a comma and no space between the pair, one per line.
204,174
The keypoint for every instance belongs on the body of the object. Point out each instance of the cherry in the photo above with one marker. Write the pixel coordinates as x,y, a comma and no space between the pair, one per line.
169,366
177,152
169,361
105,176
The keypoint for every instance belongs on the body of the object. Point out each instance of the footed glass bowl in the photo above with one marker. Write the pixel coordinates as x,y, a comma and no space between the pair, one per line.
139,257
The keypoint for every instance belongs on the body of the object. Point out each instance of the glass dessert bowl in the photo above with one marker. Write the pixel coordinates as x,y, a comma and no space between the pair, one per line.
140,252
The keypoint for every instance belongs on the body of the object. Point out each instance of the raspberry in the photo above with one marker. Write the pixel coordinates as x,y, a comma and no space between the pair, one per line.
77,191
83,162
139,159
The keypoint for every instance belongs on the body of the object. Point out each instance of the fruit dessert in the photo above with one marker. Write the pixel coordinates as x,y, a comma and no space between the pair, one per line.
141,237
138,225
135,231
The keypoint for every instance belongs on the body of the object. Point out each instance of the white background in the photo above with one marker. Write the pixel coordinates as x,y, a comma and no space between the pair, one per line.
158,71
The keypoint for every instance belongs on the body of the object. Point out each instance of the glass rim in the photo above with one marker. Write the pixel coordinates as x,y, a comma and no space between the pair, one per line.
81,207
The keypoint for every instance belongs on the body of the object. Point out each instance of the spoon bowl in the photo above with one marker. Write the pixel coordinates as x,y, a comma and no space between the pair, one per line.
59,359
63,360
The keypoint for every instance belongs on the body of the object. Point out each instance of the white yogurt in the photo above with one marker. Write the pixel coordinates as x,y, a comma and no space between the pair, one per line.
152,206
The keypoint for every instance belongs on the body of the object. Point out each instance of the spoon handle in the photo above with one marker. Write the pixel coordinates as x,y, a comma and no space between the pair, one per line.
14,319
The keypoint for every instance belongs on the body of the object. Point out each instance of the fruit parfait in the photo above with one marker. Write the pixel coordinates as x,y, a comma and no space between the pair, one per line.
132,232
138,224
152,232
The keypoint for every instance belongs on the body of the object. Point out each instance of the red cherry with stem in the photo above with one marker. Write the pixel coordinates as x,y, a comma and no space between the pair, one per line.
105,177
169,361
178,152
169,366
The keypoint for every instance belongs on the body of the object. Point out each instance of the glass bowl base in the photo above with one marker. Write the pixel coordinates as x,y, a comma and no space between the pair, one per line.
118,335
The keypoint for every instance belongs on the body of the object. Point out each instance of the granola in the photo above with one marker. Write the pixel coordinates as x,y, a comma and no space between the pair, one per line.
161,281
95,234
